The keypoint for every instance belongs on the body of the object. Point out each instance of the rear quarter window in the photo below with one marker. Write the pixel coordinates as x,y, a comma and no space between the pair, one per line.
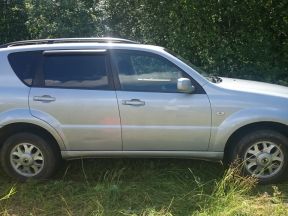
25,64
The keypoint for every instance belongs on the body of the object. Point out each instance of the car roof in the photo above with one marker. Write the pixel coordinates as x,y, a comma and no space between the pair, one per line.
67,40
76,43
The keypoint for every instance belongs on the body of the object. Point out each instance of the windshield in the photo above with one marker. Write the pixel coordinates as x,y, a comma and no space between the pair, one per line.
211,78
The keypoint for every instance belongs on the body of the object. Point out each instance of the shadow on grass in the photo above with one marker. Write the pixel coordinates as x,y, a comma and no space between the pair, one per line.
117,187
103,170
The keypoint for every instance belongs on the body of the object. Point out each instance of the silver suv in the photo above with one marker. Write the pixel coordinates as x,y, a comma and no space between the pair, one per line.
109,97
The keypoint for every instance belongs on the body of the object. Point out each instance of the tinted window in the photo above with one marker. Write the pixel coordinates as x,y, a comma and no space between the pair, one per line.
75,71
139,71
25,64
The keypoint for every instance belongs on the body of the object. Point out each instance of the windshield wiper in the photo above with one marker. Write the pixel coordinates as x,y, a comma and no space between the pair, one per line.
215,79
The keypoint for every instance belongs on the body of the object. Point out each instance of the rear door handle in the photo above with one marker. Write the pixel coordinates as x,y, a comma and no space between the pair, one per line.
133,102
44,98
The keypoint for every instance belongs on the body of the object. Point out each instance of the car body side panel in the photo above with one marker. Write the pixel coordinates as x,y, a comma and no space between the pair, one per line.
233,109
221,133
19,116
167,121
14,106
87,119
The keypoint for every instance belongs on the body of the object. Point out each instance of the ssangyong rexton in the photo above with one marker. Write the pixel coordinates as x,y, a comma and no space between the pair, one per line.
109,97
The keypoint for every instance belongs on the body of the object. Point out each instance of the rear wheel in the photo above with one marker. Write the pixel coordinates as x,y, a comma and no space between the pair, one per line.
264,154
26,155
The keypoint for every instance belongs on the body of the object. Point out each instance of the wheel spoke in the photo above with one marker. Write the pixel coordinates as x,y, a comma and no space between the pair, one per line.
270,169
37,156
17,154
28,148
269,148
16,160
265,145
273,167
27,170
253,152
277,159
251,160
35,168
18,165
258,171
250,165
256,147
38,152
20,150
276,153
39,164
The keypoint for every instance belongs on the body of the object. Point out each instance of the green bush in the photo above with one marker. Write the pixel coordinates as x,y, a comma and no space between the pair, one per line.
246,39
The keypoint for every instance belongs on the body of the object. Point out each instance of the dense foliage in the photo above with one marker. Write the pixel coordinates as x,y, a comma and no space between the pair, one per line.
247,38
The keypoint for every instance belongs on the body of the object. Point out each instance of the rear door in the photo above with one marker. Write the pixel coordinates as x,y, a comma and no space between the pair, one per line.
73,90
154,115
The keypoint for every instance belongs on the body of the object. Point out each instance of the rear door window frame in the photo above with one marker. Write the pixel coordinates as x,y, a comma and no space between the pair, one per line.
39,80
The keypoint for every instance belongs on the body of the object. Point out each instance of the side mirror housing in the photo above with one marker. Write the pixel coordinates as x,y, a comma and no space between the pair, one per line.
184,85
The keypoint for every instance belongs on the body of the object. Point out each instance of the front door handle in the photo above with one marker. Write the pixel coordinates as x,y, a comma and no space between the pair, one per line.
133,102
44,98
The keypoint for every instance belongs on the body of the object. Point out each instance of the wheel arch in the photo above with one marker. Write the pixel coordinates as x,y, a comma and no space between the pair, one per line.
18,127
275,126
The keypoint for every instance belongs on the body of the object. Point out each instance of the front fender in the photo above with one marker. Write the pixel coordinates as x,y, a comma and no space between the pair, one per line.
221,134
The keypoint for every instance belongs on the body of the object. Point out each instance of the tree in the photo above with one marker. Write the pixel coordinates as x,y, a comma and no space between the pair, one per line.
66,18
12,21
247,38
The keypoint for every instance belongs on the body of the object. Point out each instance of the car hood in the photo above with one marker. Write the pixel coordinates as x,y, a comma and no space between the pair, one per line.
254,87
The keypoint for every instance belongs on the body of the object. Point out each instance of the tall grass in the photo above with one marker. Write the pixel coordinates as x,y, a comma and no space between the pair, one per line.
11,192
151,187
229,195
5,197
232,195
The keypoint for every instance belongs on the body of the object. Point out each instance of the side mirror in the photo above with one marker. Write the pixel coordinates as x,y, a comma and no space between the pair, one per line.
184,85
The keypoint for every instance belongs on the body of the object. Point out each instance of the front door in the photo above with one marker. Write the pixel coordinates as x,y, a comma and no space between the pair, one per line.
154,115
73,91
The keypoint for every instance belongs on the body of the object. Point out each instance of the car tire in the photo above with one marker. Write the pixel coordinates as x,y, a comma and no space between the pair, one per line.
29,156
263,154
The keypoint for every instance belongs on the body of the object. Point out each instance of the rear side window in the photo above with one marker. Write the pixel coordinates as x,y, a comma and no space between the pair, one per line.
75,71
25,64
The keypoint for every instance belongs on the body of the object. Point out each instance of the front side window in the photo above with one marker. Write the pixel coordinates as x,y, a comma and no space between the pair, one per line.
75,71
141,71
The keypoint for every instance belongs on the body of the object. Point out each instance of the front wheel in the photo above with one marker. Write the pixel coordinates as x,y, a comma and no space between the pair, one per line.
26,155
264,154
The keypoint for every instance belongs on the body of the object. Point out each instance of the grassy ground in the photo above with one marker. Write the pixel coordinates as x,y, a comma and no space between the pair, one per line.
144,187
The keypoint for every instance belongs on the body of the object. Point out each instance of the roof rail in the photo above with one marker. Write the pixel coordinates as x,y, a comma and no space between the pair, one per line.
68,40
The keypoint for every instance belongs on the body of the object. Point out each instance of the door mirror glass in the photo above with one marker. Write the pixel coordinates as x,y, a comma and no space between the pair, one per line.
185,85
